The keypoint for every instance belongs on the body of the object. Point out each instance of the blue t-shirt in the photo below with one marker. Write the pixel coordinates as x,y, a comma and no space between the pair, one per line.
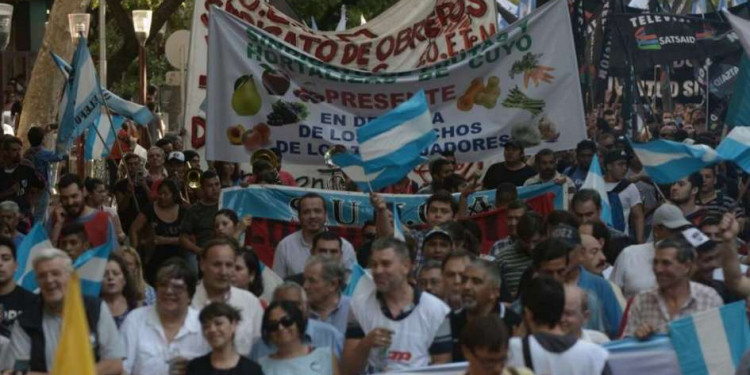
318,362
609,304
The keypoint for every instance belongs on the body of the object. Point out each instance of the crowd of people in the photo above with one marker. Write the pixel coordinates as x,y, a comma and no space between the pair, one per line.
184,293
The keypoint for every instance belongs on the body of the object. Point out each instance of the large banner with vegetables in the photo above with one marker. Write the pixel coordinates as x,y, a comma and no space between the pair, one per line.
521,83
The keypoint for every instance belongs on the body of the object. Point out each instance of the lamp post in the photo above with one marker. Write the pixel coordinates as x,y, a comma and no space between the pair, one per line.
142,28
78,25
6,19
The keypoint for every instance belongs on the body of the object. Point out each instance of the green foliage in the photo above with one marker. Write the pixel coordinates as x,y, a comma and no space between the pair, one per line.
328,12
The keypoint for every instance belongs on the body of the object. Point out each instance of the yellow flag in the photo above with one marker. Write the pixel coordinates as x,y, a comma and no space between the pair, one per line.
74,353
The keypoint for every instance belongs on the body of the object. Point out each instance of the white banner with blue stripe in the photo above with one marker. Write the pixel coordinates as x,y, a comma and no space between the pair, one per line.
711,342
347,208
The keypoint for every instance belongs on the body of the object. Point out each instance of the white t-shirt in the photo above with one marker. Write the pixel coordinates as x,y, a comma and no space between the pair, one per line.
292,253
633,271
582,358
629,197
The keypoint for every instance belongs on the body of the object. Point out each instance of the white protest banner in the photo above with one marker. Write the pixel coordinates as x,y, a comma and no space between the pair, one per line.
409,35
522,83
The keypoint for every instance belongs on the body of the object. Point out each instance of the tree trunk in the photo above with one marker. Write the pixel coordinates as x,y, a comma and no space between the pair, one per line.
43,95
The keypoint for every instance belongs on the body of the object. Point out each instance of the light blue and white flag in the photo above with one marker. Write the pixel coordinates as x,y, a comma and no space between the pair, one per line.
313,24
398,231
91,264
699,7
595,181
342,20
390,146
270,281
101,136
735,147
360,282
32,244
713,341
136,112
667,161
85,103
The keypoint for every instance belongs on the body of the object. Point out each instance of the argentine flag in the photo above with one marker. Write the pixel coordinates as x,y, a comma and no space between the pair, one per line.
734,147
390,145
84,101
667,161
91,264
713,341
35,241
595,181
398,231
738,113
136,112
360,282
101,136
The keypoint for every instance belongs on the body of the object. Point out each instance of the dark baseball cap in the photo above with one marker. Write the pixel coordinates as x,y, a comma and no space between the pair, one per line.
567,235
586,144
514,143
615,155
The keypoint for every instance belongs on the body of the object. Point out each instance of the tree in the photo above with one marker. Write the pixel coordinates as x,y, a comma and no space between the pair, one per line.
45,86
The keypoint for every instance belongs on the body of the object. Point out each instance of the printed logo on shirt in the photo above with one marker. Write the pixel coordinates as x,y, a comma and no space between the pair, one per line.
396,356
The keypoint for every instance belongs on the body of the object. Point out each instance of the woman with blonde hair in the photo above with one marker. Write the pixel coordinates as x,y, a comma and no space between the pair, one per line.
146,294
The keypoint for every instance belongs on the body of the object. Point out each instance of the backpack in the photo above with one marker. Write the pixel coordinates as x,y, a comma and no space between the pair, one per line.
615,205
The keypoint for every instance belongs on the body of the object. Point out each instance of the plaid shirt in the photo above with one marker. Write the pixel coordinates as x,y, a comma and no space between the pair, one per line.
651,308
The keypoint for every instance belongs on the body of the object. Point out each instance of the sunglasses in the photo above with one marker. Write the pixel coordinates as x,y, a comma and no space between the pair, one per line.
286,321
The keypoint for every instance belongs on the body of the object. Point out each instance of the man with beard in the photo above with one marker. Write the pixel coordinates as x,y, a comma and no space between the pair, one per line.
545,162
396,326
480,297
19,181
684,193
585,151
72,209
292,252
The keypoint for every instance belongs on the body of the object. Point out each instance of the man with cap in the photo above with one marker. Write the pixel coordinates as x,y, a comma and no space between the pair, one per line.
633,268
513,170
585,151
437,244
624,198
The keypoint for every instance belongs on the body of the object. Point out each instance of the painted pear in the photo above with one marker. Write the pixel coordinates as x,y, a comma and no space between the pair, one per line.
246,100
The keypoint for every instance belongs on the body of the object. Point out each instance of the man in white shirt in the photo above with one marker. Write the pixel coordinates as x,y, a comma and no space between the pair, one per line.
625,199
576,315
395,326
633,271
548,349
36,333
293,251
217,264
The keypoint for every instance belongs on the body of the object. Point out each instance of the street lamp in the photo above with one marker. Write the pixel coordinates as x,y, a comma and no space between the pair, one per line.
6,18
142,27
78,24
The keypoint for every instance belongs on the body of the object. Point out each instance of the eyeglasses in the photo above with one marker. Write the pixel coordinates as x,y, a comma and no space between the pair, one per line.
273,326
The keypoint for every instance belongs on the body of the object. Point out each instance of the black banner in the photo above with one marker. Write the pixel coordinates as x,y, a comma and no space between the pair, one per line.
649,39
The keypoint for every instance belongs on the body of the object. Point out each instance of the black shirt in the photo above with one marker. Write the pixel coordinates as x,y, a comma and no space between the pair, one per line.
13,304
498,174
727,295
202,366
458,322
26,177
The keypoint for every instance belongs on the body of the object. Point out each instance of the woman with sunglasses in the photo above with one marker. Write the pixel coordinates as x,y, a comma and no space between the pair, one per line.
284,327
219,325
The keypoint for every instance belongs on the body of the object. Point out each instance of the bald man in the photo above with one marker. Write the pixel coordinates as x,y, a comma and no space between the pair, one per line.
594,261
576,314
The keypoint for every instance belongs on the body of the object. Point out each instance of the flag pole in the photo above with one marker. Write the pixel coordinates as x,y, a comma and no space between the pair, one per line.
82,39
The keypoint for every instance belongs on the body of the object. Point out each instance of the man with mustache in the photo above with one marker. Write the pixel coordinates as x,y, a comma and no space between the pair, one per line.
73,209
292,252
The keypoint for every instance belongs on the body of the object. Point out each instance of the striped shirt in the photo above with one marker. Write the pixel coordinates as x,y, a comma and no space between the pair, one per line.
513,261
721,204
650,307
